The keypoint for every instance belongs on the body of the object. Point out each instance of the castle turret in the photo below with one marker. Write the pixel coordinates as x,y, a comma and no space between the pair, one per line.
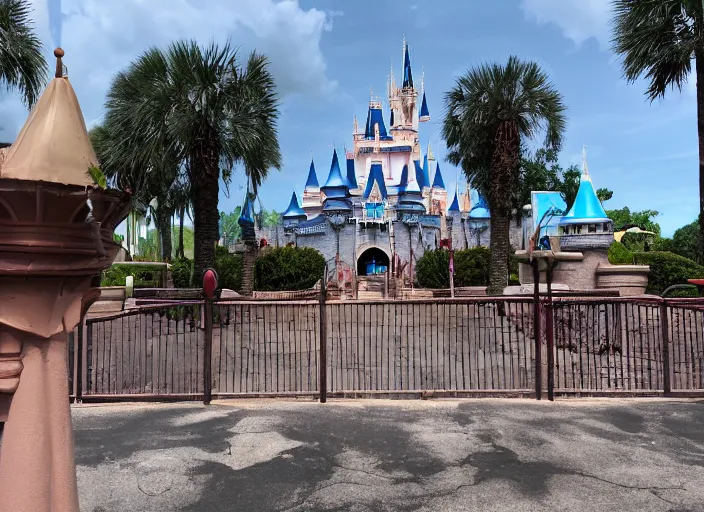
438,193
351,174
586,225
335,189
407,74
294,213
410,199
424,112
455,206
312,199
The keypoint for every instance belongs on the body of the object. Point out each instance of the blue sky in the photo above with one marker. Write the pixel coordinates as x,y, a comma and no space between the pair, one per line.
327,54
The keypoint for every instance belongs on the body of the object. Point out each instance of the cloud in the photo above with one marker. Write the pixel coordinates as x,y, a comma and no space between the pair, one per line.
101,37
579,20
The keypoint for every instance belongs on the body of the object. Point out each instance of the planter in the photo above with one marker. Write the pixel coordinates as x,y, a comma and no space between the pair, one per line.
628,279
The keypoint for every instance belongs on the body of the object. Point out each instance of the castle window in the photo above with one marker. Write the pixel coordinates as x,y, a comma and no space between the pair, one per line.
592,228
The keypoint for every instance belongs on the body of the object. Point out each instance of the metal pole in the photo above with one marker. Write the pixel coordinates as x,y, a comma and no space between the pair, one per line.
78,370
208,352
323,359
536,331
550,335
665,326
452,273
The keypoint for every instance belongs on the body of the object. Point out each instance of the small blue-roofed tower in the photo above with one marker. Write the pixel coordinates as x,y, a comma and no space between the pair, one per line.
336,190
294,213
586,225
438,193
312,198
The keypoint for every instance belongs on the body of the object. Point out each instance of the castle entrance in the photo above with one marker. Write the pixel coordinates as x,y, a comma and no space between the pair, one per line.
372,261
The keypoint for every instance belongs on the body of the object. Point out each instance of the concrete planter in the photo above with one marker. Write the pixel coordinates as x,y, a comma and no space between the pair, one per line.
628,279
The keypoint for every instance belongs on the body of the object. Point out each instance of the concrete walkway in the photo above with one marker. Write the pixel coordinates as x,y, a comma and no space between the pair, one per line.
484,455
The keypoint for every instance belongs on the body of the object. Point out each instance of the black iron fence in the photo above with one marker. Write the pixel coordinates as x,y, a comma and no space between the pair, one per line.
451,347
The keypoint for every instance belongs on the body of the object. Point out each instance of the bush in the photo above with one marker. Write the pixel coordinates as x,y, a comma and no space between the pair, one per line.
619,254
229,268
182,273
667,269
433,269
145,276
288,269
471,268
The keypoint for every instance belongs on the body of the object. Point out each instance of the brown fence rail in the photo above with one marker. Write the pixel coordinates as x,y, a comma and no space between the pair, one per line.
465,346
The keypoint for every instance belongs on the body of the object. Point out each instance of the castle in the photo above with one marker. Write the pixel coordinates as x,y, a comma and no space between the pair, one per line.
386,203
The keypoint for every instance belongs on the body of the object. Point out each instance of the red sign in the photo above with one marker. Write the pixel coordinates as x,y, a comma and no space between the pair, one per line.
210,283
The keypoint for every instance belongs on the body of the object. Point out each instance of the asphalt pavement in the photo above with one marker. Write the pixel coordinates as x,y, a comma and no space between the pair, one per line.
379,455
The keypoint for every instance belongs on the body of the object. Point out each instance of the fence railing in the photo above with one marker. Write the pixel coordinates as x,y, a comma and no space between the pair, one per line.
458,347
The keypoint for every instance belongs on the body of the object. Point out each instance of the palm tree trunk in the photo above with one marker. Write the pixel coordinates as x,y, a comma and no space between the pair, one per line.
205,180
699,58
163,225
500,250
180,249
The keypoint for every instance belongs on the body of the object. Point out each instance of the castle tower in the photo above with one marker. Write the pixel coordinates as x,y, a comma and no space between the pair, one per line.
438,194
312,198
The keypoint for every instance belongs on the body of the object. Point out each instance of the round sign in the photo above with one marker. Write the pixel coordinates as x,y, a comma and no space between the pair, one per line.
210,283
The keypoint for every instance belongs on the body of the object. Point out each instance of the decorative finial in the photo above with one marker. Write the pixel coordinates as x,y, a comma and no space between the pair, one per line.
422,79
585,169
59,53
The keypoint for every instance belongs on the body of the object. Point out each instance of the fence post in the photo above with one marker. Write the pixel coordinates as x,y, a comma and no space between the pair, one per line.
323,359
665,327
208,352
78,370
210,284
536,331
550,334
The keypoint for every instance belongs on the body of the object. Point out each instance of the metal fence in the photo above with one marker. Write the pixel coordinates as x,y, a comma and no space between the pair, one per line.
452,347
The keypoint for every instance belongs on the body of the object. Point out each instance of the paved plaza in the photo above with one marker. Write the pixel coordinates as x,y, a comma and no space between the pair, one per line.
443,455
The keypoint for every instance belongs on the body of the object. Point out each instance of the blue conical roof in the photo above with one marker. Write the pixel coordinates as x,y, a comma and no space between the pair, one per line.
420,175
481,209
351,174
312,181
294,211
403,182
438,182
375,175
455,206
424,112
336,186
426,171
407,74
247,214
587,207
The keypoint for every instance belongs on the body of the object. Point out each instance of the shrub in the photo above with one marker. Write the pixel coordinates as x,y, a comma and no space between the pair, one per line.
145,276
182,273
288,269
433,269
229,268
619,254
471,268
667,269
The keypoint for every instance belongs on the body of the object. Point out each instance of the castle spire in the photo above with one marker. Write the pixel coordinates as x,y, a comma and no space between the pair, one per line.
585,168
407,74
312,181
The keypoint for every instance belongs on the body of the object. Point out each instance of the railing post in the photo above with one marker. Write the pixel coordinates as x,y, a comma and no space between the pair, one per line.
665,327
79,361
550,334
536,331
210,284
323,359
208,352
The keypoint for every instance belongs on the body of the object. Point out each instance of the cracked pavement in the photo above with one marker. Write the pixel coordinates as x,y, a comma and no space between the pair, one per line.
449,455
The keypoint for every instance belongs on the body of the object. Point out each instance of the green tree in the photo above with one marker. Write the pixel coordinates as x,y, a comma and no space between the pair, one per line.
229,228
490,112
685,241
208,109
569,185
625,218
659,40
22,65
604,194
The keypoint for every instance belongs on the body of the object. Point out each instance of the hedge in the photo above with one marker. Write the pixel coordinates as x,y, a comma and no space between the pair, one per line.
288,269
619,254
229,268
471,268
145,276
667,269
182,273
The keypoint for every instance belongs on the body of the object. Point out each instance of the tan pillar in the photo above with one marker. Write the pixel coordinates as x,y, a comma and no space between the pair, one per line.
37,443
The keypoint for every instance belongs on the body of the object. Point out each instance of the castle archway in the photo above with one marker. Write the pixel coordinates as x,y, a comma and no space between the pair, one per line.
373,260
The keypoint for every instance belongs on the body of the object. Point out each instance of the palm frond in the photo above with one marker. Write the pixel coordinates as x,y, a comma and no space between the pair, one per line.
22,65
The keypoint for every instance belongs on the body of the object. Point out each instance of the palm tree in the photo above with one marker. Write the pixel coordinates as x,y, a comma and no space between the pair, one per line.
210,111
22,65
658,40
490,111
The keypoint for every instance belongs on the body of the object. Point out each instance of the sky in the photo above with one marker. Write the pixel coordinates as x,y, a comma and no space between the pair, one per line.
326,56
